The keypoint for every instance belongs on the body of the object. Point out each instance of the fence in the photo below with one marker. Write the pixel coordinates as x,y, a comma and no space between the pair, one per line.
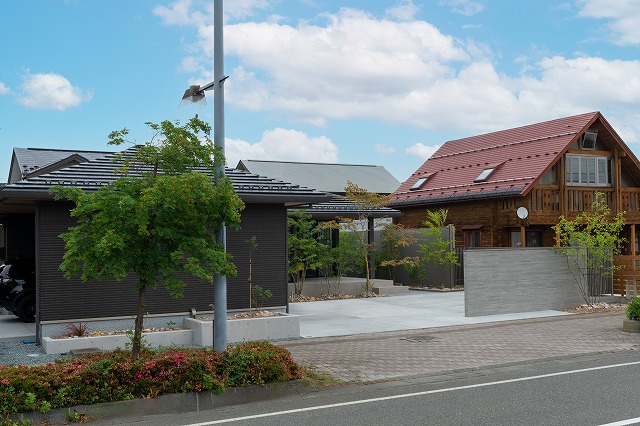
625,278
430,274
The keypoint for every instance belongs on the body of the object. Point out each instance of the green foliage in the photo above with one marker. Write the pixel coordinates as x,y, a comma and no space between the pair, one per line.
365,202
437,250
119,376
392,238
589,242
259,363
156,219
260,296
633,309
304,249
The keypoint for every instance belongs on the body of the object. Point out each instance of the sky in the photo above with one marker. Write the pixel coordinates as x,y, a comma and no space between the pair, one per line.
357,82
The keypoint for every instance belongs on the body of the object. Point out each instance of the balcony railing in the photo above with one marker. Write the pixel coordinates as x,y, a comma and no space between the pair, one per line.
547,200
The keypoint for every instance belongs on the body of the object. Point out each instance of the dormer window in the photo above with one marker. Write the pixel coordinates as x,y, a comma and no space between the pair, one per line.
421,181
482,177
588,141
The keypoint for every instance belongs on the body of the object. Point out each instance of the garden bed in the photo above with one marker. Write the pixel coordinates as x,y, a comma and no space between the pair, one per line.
196,332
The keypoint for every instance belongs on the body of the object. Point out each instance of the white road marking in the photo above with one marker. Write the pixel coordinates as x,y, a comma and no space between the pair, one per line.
624,422
410,395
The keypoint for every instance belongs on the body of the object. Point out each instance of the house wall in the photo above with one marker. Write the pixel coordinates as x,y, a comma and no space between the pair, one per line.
503,281
64,300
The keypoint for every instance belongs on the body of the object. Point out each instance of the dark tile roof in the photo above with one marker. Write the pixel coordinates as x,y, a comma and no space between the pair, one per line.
342,207
28,161
93,174
520,157
326,176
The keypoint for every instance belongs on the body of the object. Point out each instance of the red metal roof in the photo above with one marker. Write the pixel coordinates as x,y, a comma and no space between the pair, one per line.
520,156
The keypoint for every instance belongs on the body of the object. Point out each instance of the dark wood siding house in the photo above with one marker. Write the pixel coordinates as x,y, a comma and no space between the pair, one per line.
33,222
551,168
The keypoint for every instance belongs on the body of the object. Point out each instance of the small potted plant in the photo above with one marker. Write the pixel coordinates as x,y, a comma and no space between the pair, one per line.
632,323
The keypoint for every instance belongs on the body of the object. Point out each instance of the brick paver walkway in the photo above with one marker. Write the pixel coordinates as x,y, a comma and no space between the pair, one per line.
405,353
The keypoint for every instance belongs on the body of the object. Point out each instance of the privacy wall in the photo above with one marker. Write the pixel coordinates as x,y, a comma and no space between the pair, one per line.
506,280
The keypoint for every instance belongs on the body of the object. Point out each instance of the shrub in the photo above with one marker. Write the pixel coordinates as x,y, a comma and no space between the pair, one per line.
633,309
118,376
259,363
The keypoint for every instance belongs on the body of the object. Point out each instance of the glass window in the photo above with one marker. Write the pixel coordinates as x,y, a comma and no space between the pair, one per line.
534,238
588,170
484,175
418,183
472,239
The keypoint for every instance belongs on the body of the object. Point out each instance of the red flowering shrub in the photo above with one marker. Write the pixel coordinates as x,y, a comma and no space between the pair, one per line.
118,376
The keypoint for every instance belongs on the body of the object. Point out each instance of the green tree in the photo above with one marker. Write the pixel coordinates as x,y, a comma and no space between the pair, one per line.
366,203
304,248
392,239
589,243
156,218
437,250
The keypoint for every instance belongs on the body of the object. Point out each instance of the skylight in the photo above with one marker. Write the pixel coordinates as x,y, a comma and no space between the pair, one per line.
418,184
484,175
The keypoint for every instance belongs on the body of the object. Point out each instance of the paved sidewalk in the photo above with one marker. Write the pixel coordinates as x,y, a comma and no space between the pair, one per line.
389,355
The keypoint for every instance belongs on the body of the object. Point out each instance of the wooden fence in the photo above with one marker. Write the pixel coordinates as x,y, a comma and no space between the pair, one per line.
626,278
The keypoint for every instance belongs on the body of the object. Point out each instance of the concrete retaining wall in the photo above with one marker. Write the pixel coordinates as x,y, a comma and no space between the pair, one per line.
503,281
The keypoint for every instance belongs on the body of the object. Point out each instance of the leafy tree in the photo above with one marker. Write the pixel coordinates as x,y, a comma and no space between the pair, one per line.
304,248
589,242
366,203
156,218
392,238
437,250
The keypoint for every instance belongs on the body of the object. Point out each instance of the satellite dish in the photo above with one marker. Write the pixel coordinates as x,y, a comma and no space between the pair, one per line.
522,212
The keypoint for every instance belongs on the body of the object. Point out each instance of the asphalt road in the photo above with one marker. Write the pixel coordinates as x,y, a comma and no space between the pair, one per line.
597,389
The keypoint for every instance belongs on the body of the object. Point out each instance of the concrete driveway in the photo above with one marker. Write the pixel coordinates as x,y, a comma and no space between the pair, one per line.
11,328
418,309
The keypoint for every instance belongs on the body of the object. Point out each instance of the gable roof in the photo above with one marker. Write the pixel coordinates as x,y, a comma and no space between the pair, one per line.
519,157
92,174
31,161
324,176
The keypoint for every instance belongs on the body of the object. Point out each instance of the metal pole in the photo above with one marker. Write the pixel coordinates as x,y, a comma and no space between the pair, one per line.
220,281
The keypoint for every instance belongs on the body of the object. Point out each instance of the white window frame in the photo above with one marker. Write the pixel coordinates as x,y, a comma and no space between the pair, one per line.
589,170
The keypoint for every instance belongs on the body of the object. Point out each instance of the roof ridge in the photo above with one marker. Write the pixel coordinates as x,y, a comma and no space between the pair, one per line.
315,163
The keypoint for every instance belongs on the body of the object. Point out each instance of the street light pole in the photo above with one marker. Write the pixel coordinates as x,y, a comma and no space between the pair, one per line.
220,280
195,94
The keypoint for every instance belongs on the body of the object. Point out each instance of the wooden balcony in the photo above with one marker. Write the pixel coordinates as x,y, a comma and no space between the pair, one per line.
547,201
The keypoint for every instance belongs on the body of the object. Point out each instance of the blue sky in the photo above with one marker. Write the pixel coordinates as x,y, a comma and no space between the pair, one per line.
360,82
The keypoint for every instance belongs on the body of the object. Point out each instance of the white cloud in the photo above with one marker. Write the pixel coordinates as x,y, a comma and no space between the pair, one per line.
185,12
422,151
384,149
50,91
405,10
464,7
623,17
4,90
282,145
353,65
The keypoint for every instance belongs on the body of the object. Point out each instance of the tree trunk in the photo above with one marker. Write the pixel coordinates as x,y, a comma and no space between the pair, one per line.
136,344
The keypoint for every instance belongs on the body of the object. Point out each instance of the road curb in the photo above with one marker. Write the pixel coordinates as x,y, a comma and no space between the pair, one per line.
170,404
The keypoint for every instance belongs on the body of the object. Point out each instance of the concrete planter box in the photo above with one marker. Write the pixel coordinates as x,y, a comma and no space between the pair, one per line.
631,326
108,343
197,333
281,327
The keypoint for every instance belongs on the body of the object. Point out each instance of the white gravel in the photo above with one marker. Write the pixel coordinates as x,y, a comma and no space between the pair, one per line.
17,352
